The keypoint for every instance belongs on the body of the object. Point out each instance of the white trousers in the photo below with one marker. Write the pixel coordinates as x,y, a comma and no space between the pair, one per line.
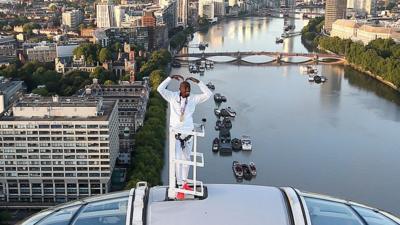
182,171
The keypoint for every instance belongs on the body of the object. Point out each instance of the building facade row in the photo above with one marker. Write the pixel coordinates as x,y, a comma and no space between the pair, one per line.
351,29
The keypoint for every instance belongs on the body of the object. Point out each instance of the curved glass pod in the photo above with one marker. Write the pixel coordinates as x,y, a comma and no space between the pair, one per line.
105,209
324,210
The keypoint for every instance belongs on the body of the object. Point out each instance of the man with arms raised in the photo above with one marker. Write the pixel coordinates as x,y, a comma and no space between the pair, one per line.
182,105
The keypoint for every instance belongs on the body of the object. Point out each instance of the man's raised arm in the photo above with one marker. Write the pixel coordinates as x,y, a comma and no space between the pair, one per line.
200,98
162,88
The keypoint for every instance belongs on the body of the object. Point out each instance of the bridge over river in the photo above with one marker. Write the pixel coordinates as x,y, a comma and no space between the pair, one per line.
276,57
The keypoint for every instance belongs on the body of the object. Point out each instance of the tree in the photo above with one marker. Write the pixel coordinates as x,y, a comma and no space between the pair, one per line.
102,75
116,47
89,51
53,7
126,77
41,91
28,27
105,55
155,78
108,82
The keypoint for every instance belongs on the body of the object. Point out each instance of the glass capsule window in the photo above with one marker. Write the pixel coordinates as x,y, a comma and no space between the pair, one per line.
372,217
104,212
323,212
107,209
60,217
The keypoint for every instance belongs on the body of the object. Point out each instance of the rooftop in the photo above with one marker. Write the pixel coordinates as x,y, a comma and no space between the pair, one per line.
225,204
8,85
136,89
6,39
376,29
60,109
347,23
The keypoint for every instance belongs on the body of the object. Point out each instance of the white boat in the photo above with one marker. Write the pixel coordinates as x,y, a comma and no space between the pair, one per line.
209,64
307,69
311,78
202,68
246,143
285,35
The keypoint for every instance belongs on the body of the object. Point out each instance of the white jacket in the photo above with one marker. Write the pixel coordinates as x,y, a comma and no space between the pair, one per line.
175,104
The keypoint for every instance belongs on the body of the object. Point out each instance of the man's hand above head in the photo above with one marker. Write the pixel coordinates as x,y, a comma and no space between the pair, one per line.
177,77
193,79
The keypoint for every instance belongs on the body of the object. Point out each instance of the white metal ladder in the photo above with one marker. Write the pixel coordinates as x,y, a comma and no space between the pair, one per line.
196,160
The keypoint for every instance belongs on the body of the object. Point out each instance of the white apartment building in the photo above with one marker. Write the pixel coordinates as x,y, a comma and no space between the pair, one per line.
57,149
72,19
105,15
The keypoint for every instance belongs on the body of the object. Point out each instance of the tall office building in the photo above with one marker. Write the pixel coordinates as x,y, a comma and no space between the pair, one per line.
57,149
334,9
72,19
182,12
105,15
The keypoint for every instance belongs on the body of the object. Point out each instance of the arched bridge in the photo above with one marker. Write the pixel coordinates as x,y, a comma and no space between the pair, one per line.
277,57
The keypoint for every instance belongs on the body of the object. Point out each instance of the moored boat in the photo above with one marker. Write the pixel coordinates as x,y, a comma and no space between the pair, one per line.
176,64
236,144
210,86
218,124
246,172
215,145
237,169
252,168
219,98
231,112
317,79
246,143
227,123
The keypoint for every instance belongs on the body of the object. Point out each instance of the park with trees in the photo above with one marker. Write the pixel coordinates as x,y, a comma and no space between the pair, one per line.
148,156
179,38
380,57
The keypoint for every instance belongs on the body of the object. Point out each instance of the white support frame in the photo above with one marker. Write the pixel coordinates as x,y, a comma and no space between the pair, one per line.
196,160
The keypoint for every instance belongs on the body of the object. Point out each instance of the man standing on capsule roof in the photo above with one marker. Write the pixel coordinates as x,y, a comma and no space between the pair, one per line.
182,105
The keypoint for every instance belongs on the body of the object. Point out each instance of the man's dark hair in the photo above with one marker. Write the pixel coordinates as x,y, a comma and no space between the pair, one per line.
186,84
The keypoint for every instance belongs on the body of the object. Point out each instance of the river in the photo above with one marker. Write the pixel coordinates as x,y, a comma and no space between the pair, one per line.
338,138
